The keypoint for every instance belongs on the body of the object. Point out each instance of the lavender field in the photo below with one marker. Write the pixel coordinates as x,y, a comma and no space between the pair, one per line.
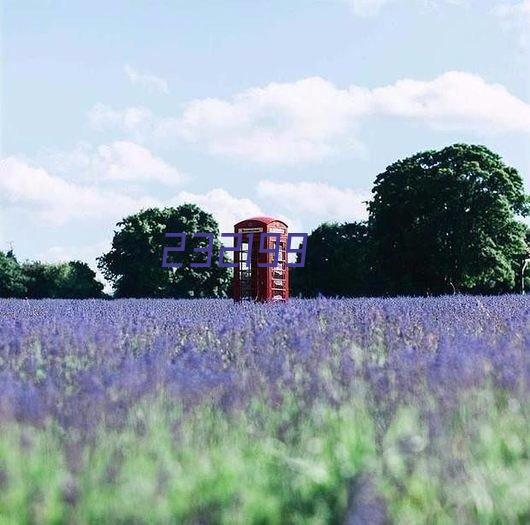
314,411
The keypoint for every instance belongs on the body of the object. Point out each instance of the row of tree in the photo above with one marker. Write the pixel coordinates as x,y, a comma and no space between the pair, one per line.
439,222
36,280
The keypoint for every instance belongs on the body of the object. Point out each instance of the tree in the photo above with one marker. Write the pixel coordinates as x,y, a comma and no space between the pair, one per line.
79,282
134,263
12,279
446,220
525,264
42,279
70,280
336,262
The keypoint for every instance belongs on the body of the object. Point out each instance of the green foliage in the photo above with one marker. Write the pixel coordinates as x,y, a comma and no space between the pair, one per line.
473,470
210,468
79,282
445,221
36,280
134,263
71,280
272,465
336,263
31,477
12,279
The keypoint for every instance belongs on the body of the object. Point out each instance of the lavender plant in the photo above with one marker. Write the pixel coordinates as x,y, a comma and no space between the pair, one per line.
314,411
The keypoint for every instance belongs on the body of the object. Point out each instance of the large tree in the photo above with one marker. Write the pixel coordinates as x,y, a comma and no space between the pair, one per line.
446,220
336,262
12,278
134,263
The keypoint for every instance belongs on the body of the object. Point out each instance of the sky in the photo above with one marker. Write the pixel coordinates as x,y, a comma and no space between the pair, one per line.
287,108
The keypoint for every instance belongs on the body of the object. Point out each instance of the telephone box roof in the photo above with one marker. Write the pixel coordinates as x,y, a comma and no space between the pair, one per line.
262,219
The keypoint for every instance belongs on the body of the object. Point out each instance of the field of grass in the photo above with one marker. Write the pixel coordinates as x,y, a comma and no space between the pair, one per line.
315,411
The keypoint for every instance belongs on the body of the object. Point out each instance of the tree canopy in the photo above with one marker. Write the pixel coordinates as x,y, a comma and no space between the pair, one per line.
69,280
443,221
336,263
134,263
36,280
12,278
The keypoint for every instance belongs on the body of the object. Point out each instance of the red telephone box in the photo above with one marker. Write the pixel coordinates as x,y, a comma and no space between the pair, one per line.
251,280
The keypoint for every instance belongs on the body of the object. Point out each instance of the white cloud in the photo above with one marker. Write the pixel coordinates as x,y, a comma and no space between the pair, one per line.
147,80
454,100
516,17
227,209
56,200
292,122
126,161
315,201
119,161
311,119
280,123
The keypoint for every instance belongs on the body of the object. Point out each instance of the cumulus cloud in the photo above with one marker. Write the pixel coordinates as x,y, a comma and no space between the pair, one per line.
119,161
315,202
147,80
53,199
56,200
291,122
226,208
454,100
311,119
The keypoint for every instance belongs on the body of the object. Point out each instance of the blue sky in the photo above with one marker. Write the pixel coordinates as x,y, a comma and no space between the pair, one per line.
288,108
